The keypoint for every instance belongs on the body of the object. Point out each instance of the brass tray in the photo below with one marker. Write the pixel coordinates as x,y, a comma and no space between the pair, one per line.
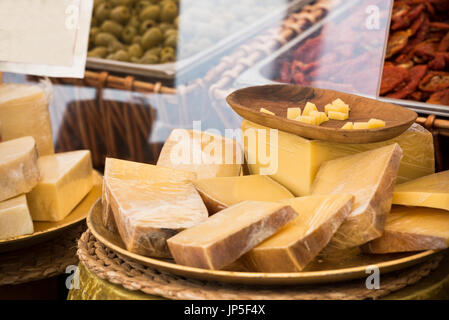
46,230
345,269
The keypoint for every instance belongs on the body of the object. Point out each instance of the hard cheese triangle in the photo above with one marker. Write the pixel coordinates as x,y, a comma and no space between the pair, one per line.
412,229
299,241
150,204
430,191
370,176
15,218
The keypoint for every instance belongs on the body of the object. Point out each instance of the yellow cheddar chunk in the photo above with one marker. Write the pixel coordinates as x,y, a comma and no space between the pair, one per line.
293,113
266,111
361,125
15,219
348,126
309,108
340,105
320,117
376,123
429,191
307,119
335,115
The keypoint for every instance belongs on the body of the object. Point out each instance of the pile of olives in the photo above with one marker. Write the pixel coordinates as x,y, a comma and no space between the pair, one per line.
138,31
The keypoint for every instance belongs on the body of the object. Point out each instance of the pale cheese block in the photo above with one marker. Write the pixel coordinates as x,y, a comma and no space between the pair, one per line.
429,191
19,171
412,229
230,233
293,161
151,204
65,179
299,242
15,218
370,176
24,112
223,192
208,155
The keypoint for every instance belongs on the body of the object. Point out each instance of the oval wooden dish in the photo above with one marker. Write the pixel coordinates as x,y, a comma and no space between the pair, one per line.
347,270
46,230
278,98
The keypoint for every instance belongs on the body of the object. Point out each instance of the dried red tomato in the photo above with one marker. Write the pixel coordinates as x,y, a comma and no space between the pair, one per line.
440,97
415,75
392,76
434,81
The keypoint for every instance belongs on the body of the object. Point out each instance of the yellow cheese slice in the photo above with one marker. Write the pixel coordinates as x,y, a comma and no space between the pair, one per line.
19,171
15,219
412,229
293,161
370,176
335,115
65,179
429,191
361,125
299,241
151,204
228,234
293,113
24,112
220,193
376,123
208,155
263,110
309,107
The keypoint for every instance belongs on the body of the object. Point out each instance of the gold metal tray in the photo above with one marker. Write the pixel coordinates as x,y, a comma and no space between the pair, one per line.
322,272
46,230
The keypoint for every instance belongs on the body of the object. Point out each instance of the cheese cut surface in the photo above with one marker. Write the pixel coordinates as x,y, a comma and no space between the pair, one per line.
65,179
412,229
220,193
369,176
19,171
298,159
429,191
208,155
151,204
299,241
24,112
230,233
15,219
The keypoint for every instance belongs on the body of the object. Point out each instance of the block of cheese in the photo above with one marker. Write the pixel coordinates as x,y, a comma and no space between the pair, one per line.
19,171
15,219
151,204
376,123
308,108
335,115
230,233
370,176
348,126
412,229
299,241
65,179
293,113
24,112
429,191
223,192
208,155
297,159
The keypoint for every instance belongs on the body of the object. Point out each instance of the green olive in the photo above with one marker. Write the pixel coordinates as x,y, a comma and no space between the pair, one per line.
92,34
121,55
171,41
128,34
134,22
97,3
135,50
104,38
127,3
166,26
142,5
121,14
169,12
170,32
151,38
134,59
176,22
167,58
149,59
151,12
116,45
98,52
167,51
102,11
145,25
112,27
137,39
154,51
110,56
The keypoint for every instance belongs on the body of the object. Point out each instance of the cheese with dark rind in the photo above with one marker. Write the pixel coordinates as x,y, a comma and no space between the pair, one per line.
370,176
220,193
230,233
19,171
412,229
150,204
299,241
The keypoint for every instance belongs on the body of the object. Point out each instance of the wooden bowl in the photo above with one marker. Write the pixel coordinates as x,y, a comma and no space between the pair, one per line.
278,98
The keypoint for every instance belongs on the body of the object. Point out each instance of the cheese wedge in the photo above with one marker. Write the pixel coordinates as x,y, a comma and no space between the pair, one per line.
299,241
206,154
348,126
307,119
293,161
309,107
376,123
263,110
412,229
15,219
151,204
65,179
230,233
24,112
220,193
361,125
19,171
370,176
293,113
429,191
335,115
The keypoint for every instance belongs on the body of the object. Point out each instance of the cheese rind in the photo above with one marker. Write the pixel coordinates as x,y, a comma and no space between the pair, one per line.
19,171
230,233
429,191
223,192
370,176
65,179
208,155
24,112
300,240
412,229
151,204
15,219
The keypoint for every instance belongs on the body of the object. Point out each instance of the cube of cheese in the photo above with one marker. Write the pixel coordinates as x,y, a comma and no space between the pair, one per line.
307,119
320,117
309,108
266,111
348,126
376,123
293,113
15,219
335,115
340,105
361,125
